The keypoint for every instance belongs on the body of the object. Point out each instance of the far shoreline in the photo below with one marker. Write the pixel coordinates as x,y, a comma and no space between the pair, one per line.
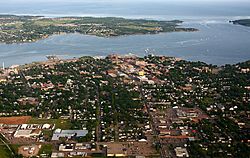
144,17
30,28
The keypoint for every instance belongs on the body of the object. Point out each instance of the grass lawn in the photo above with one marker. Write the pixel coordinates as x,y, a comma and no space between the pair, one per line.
15,147
4,152
60,123
48,133
46,149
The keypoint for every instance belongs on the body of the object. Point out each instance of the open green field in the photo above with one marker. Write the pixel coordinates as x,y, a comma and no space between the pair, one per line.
4,152
46,149
59,123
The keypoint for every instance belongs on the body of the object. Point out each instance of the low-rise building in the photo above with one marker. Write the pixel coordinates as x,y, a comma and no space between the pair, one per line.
58,133
181,152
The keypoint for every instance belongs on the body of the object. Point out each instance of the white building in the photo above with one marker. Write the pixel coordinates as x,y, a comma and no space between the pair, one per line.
181,152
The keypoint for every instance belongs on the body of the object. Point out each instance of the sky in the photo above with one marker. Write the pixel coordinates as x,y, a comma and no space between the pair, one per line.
115,1
139,8
197,2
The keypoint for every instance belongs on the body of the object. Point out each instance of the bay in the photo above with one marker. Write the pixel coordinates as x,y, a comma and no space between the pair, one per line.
216,42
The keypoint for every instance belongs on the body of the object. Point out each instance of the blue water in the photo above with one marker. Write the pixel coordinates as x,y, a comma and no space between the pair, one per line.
217,42
156,9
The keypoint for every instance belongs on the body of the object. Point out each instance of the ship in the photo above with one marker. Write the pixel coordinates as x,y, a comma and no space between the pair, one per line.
52,57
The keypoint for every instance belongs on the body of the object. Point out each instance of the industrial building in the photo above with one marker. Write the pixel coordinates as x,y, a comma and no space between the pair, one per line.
58,133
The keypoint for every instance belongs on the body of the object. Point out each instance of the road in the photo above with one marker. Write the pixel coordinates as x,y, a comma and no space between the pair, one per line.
12,153
153,127
98,127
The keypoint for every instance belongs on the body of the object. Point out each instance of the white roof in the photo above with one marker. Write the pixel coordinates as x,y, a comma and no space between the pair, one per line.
68,133
58,130
24,133
46,126
23,126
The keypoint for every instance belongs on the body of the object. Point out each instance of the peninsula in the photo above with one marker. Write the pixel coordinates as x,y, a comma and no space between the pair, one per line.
125,106
244,22
22,29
